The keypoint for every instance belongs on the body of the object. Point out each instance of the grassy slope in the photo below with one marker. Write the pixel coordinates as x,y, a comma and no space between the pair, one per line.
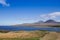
30,35
19,39
22,35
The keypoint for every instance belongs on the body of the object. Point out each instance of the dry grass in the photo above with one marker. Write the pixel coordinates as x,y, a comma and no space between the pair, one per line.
51,36
22,34
43,35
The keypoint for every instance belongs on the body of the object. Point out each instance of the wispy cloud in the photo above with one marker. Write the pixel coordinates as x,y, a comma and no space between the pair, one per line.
4,3
44,17
54,15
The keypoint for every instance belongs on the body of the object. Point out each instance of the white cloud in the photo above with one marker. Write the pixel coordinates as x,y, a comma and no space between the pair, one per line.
44,17
4,3
54,15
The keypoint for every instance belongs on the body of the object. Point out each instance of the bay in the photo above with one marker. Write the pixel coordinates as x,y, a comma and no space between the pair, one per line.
28,28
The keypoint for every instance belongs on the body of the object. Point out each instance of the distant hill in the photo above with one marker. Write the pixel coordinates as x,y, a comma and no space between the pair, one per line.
50,21
39,22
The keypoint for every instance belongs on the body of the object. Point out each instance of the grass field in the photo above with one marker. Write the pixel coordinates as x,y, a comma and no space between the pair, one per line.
19,39
30,35
22,35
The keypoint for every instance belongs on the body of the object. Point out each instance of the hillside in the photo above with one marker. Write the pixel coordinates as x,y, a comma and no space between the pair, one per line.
41,35
23,34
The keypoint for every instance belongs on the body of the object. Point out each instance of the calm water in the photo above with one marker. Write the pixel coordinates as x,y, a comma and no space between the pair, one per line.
12,28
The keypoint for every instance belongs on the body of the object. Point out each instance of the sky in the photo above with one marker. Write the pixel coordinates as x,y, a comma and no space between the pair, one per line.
28,11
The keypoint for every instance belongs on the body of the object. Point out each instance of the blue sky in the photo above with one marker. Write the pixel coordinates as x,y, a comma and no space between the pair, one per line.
28,11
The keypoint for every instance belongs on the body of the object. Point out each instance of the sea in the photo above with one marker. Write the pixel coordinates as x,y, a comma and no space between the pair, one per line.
29,28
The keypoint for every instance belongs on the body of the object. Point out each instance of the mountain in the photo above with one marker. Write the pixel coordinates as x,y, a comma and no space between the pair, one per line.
41,23
50,21
38,22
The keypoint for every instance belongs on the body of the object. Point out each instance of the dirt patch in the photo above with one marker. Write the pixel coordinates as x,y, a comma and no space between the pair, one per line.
51,36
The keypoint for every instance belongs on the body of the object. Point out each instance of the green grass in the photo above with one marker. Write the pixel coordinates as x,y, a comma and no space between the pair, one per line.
19,38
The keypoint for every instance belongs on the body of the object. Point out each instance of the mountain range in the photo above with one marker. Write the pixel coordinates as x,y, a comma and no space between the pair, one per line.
41,23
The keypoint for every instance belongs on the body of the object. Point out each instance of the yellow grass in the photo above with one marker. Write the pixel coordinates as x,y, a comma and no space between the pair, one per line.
22,34
43,35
